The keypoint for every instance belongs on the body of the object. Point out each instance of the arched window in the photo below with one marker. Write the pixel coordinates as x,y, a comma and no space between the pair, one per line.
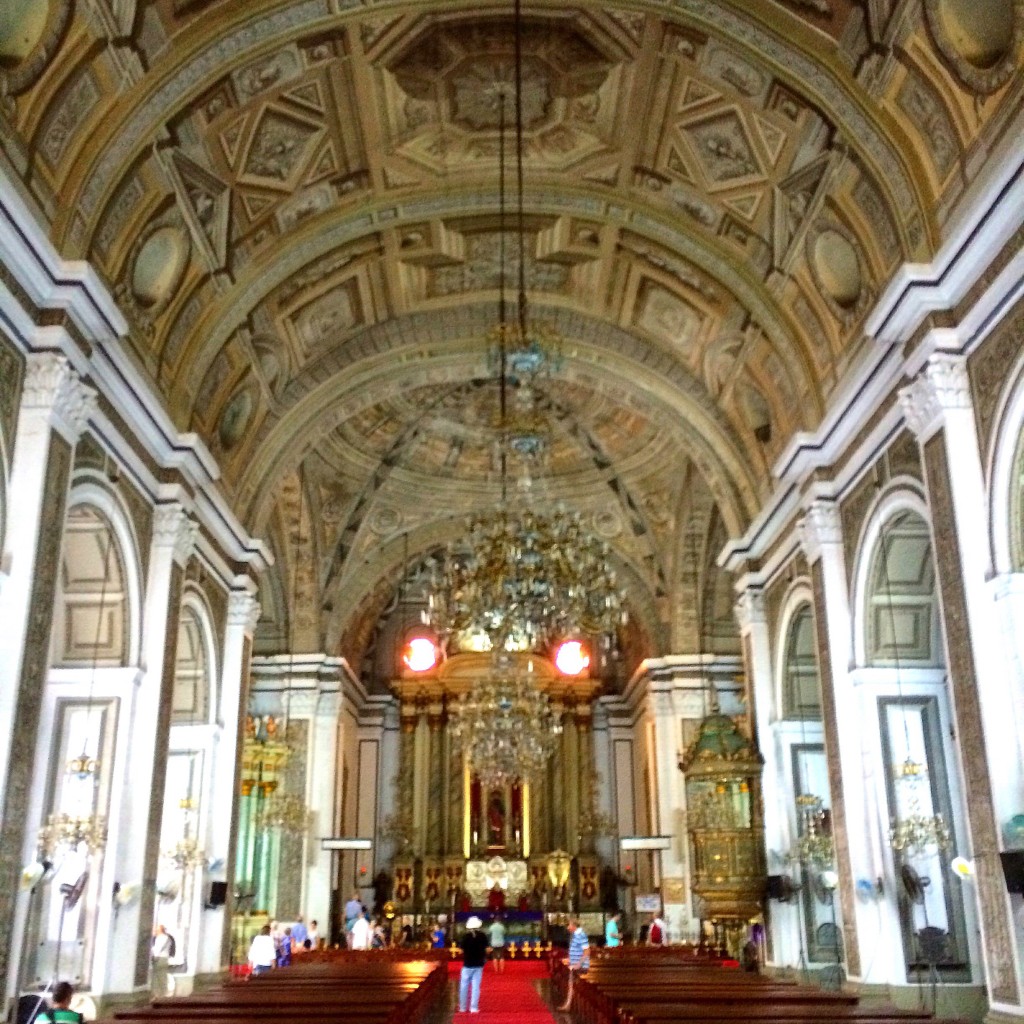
801,688
901,614
92,610
191,701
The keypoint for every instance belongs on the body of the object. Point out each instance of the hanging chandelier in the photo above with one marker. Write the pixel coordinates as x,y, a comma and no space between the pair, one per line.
526,579
504,725
913,831
522,577
67,832
286,813
814,845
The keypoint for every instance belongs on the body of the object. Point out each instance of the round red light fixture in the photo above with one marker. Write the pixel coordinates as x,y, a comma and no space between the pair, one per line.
571,658
420,654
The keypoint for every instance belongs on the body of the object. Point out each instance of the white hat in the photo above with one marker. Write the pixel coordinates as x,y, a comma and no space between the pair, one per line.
474,922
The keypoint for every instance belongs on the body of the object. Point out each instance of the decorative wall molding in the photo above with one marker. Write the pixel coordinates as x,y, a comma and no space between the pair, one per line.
243,610
173,528
820,526
53,390
750,609
942,386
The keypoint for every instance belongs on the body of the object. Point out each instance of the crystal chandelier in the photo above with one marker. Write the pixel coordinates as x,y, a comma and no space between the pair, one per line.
505,726
527,579
523,577
814,843
72,832
286,813
187,854
915,832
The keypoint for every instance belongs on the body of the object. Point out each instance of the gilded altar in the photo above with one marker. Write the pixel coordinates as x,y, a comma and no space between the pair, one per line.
449,828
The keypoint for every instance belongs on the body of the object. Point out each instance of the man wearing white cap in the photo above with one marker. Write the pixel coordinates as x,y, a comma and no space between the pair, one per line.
474,956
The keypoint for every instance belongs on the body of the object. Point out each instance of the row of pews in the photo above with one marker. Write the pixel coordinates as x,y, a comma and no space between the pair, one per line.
643,986
329,986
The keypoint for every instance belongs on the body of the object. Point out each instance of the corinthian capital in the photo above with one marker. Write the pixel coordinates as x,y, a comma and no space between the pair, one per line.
941,386
749,608
243,611
819,528
56,393
173,529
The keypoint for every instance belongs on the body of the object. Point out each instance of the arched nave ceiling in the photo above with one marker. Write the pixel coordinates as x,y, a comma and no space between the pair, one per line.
296,205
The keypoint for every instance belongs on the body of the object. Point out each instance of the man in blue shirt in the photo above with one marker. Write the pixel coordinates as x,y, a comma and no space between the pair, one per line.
579,956
353,908
299,932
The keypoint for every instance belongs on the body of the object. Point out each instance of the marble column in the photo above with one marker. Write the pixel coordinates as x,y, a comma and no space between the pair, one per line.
570,785
139,793
222,801
820,534
55,407
587,796
435,774
557,817
540,830
405,795
938,409
454,801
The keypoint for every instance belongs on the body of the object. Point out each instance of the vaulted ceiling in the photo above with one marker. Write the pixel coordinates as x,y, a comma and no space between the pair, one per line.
296,204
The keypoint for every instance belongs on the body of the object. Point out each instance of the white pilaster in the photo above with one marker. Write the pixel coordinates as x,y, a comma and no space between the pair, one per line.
667,740
820,533
753,624
53,399
939,399
243,614
322,783
173,539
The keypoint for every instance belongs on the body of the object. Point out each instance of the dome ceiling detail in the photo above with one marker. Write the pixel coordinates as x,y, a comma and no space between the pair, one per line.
296,204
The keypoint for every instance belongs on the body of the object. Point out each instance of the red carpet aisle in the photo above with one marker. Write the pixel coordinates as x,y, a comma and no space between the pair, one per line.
510,997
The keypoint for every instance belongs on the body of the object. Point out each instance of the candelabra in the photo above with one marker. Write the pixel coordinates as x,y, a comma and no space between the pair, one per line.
71,832
914,831
814,845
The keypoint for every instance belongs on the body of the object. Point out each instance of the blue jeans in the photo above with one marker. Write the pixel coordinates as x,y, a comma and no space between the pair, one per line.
470,976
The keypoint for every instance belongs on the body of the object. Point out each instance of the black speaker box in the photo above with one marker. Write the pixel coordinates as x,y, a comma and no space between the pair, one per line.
1013,869
776,887
218,894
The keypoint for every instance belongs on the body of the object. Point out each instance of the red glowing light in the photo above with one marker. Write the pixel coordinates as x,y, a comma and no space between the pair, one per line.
420,654
571,658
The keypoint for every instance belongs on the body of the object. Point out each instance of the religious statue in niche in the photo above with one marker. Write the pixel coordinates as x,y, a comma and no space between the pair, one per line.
496,819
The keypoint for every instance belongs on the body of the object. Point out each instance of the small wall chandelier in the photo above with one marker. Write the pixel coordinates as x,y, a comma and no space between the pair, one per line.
286,813
814,845
504,725
72,832
914,832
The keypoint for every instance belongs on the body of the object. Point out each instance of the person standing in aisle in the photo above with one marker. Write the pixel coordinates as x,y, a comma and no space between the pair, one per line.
496,937
579,957
474,956
612,936
263,952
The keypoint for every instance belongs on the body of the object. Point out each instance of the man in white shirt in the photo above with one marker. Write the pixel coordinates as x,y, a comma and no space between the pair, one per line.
313,935
160,954
262,952
360,932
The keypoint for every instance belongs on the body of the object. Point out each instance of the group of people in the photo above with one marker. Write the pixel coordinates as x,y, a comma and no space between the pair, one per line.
361,930
275,946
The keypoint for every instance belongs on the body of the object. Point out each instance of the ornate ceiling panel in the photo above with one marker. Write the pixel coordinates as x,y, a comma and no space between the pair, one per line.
296,204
